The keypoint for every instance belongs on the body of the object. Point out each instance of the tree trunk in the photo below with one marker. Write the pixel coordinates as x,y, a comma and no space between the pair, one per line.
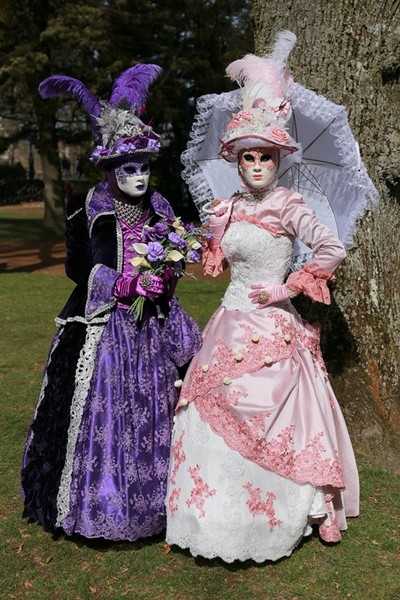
53,185
349,52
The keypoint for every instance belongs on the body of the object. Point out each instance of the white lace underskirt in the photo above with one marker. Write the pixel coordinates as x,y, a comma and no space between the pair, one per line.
221,505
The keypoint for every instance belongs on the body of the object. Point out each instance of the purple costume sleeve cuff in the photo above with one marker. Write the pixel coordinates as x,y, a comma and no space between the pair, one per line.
100,291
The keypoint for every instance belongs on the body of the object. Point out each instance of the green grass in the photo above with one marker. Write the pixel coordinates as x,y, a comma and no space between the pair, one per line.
24,223
36,565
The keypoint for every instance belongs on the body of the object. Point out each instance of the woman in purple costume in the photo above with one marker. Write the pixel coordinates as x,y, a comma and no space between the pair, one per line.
97,453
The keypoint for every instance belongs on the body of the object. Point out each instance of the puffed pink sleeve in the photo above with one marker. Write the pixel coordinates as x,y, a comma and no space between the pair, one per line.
213,255
299,220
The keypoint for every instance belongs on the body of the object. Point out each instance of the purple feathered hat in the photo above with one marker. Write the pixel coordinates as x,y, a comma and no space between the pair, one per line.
117,129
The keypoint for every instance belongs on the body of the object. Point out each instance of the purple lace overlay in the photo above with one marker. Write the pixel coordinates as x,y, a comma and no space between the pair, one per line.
100,291
121,458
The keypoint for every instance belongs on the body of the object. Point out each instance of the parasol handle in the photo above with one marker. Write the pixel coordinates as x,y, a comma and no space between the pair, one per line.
215,207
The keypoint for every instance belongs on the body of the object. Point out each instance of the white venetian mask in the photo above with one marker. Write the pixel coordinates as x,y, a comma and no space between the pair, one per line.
133,178
258,166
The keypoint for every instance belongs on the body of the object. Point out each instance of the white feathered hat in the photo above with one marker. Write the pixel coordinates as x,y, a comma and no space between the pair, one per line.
266,108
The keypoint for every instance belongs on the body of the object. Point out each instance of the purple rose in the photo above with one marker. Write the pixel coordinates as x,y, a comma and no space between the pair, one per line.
155,252
149,235
177,241
160,230
193,256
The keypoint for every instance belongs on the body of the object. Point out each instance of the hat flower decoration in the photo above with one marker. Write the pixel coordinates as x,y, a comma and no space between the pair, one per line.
117,129
266,109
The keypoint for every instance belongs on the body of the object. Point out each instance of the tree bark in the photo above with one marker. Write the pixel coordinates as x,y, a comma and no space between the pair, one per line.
53,186
349,52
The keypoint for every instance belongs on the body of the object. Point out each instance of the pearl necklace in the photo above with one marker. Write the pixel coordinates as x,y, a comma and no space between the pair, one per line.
129,213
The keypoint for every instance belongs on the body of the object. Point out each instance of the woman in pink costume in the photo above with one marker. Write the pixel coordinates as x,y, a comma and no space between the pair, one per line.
260,450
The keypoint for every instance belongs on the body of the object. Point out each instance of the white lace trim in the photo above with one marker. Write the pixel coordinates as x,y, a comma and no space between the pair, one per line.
365,193
84,371
104,307
43,386
120,247
224,105
61,322
74,214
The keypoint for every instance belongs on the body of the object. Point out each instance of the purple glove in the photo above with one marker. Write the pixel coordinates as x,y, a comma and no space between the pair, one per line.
170,278
144,284
265,294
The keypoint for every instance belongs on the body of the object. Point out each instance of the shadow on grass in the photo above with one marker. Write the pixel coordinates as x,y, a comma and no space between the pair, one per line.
237,565
27,245
103,545
28,230
18,257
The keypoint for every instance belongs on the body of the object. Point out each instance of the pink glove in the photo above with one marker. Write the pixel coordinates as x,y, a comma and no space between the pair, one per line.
144,284
216,225
265,294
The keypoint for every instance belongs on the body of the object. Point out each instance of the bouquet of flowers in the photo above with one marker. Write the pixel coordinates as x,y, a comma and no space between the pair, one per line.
166,245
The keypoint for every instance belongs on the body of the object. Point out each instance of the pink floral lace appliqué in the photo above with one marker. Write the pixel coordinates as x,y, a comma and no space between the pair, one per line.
200,492
178,456
173,500
257,506
256,352
208,387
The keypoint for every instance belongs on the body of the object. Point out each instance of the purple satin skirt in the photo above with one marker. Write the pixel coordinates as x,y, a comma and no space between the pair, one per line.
112,482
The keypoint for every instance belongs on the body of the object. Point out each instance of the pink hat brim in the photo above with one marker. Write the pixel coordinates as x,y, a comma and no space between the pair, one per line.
230,150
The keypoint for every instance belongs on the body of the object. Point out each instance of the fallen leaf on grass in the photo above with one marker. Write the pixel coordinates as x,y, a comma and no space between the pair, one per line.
167,548
126,592
20,548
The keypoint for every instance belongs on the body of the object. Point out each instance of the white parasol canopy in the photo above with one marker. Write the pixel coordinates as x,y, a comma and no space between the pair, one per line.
327,171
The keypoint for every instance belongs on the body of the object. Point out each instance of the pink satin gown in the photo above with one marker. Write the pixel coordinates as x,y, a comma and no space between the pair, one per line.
260,449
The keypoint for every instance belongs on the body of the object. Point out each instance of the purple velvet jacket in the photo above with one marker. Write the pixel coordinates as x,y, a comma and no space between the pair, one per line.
95,251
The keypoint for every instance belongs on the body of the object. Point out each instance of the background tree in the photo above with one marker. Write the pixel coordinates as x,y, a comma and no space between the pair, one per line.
94,40
349,51
37,38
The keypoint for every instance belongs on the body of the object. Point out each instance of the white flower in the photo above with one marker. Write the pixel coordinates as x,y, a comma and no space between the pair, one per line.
141,248
140,261
174,256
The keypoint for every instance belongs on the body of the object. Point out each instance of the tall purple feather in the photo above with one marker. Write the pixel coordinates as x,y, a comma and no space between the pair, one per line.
60,85
133,84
